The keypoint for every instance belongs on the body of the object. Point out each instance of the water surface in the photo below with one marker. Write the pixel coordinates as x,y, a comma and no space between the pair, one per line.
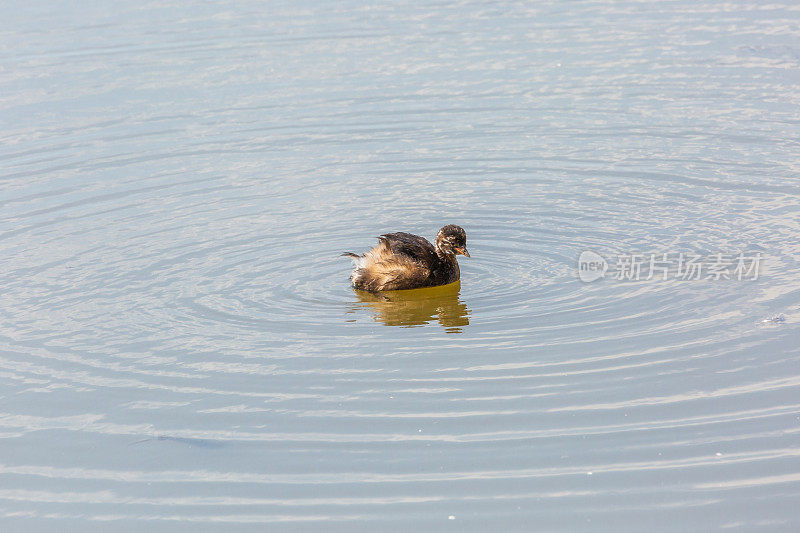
179,345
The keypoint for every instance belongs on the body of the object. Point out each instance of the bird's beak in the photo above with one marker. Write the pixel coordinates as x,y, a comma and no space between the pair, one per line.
462,251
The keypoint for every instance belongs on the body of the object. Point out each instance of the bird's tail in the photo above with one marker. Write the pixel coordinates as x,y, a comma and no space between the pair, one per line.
351,254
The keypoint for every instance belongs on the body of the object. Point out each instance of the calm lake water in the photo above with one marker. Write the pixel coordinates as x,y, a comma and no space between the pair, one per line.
180,348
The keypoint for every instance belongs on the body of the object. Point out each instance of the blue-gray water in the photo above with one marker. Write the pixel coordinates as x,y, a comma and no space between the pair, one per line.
179,345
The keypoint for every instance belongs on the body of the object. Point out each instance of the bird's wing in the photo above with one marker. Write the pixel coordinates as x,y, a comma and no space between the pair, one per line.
413,246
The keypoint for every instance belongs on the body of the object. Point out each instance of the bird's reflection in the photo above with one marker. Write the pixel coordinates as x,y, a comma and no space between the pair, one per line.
418,306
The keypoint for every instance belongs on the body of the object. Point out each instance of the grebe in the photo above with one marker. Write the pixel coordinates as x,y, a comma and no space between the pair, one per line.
405,261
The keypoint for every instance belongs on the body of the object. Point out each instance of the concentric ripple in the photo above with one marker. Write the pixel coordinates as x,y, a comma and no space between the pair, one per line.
179,343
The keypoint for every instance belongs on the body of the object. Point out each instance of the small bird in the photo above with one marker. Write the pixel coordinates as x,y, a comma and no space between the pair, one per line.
405,261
